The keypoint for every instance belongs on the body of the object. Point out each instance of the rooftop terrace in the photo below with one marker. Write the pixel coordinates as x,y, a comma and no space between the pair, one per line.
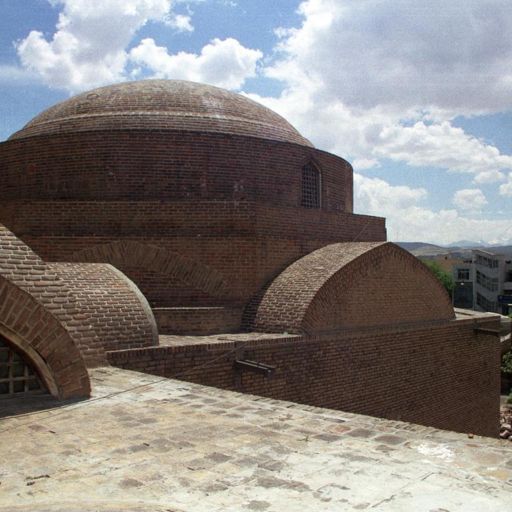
144,443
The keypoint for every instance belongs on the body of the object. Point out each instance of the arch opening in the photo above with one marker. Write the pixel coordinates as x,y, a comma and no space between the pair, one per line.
19,377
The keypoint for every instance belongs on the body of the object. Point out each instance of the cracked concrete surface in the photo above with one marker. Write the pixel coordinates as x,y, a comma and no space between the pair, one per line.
148,444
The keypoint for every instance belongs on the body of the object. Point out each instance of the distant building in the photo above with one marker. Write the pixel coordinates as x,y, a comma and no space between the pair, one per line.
493,281
485,281
463,277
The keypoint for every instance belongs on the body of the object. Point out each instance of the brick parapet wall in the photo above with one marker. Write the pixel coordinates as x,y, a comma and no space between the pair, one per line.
439,369
197,320
185,218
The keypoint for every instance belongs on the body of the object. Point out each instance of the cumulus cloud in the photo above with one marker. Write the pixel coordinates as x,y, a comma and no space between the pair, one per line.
408,219
180,22
225,63
90,47
86,51
15,74
488,177
469,199
375,80
375,195
373,135
453,55
506,188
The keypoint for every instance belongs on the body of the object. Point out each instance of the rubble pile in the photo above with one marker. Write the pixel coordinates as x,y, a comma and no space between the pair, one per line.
506,423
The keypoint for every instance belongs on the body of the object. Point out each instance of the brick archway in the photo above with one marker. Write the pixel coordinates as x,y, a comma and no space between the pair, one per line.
154,258
42,339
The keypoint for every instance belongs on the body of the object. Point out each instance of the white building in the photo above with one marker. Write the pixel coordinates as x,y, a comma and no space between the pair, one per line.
489,277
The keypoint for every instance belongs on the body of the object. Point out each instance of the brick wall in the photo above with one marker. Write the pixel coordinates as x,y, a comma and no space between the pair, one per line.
31,302
197,320
440,374
243,244
228,203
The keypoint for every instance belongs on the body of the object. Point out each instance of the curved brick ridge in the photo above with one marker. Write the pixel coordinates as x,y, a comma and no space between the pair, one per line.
38,334
96,306
117,312
163,105
154,258
349,285
32,299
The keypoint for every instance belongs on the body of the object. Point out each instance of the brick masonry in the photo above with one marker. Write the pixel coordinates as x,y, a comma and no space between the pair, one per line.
32,305
221,198
348,285
96,306
428,374
195,194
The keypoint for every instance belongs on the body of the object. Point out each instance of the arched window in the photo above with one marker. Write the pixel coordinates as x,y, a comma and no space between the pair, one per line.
311,186
17,377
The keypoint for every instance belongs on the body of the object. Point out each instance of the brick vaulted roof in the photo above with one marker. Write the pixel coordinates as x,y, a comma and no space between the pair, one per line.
163,105
348,285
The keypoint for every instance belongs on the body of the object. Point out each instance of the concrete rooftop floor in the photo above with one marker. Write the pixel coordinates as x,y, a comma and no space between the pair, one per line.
143,443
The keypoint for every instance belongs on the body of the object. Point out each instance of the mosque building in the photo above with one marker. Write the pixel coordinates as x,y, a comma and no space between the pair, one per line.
186,231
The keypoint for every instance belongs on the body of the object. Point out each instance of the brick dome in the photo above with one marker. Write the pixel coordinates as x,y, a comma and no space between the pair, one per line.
163,105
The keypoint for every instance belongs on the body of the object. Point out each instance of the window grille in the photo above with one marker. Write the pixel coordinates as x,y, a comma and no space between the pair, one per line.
311,184
17,377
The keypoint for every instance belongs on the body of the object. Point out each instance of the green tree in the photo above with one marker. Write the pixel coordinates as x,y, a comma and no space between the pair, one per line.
443,276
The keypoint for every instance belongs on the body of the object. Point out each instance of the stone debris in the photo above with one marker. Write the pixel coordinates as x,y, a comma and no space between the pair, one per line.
506,422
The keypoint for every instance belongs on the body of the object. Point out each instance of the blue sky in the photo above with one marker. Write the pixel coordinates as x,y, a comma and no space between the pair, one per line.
416,95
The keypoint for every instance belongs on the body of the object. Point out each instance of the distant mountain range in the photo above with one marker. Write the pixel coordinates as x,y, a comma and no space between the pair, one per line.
461,249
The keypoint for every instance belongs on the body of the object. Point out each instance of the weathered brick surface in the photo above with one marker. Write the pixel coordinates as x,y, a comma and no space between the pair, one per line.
197,320
348,285
32,301
119,316
428,374
95,305
163,104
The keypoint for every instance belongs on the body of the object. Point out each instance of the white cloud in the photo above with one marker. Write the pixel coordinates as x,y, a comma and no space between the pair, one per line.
409,54
406,220
224,63
506,188
469,199
488,177
180,22
376,134
375,195
87,51
440,145
373,81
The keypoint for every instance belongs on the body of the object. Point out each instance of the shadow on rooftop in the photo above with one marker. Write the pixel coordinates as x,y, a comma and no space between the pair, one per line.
23,405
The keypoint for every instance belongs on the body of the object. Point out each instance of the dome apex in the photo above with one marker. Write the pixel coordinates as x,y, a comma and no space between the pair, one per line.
162,105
